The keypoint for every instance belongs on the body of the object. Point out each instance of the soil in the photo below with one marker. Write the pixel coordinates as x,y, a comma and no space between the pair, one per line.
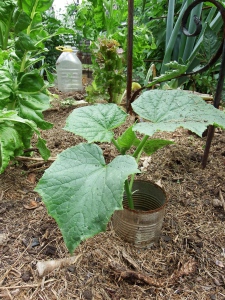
188,262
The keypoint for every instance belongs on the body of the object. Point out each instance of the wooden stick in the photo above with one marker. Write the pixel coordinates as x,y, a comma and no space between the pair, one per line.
186,269
37,164
125,273
24,158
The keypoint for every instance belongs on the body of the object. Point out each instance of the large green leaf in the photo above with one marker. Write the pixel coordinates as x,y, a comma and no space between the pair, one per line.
6,14
23,43
174,70
30,107
21,20
168,110
95,123
15,136
11,143
151,146
30,82
6,10
129,139
7,86
43,150
38,37
81,192
126,140
30,99
33,6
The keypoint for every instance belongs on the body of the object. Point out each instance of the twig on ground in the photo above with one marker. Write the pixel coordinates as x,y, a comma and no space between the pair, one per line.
125,273
187,269
24,158
38,164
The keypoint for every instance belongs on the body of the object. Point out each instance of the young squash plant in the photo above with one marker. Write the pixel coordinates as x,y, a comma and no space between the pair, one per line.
24,94
80,190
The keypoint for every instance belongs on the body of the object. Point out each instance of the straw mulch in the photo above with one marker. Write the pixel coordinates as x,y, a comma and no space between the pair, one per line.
187,263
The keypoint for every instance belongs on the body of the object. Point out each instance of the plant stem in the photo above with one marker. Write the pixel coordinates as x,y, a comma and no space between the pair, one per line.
22,67
23,63
133,175
140,146
116,145
137,155
129,195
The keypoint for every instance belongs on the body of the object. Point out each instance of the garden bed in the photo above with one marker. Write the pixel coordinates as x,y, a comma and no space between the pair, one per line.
193,236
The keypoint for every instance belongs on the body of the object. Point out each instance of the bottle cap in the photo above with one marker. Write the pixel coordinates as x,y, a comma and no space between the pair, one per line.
64,49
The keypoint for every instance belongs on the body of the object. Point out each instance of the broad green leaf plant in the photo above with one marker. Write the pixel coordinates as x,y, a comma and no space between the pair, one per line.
24,94
80,190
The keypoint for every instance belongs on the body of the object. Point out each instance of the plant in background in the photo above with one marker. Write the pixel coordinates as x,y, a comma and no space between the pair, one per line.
109,18
80,190
52,23
185,49
108,71
207,82
24,94
103,16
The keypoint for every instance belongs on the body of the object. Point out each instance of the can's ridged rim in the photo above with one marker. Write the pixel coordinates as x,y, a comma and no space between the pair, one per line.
150,210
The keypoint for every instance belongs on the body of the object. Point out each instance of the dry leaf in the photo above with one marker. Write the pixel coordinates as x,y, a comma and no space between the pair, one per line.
31,177
186,269
32,205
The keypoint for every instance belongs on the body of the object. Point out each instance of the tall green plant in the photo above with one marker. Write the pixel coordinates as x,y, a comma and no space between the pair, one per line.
180,47
108,66
24,94
101,16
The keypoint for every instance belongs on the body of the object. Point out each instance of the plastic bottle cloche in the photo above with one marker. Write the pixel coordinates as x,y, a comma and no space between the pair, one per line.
68,70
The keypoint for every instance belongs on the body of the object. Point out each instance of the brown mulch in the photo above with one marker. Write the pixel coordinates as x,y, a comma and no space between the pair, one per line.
187,263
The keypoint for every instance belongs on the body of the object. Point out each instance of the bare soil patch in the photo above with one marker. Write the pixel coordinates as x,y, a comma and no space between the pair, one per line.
193,235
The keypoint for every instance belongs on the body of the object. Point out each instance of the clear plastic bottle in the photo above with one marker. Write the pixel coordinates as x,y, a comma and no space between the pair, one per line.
69,70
